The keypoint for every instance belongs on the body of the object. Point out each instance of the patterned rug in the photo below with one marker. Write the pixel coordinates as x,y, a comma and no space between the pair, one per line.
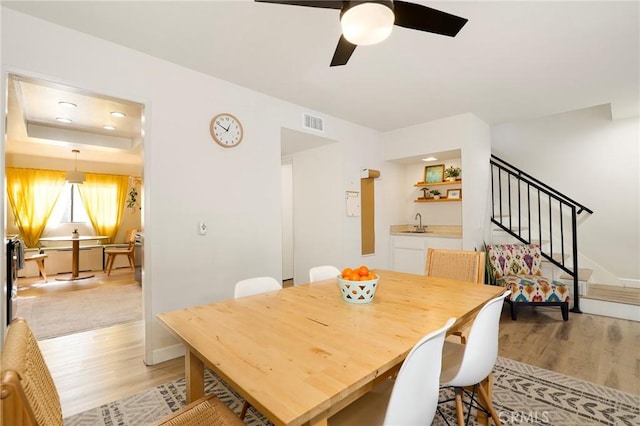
523,395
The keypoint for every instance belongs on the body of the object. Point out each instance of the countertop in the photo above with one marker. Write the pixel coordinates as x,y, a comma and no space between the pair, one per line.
440,231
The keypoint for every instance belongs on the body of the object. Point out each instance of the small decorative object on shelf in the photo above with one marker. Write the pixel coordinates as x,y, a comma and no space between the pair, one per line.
454,194
434,174
425,192
436,194
75,233
452,173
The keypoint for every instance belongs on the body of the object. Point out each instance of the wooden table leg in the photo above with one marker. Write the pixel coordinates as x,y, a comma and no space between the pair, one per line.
194,374
75,259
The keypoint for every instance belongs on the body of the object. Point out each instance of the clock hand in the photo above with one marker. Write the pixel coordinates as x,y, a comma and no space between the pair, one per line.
220,125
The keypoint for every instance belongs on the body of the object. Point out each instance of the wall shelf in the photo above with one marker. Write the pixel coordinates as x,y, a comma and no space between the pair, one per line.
432,200
424,184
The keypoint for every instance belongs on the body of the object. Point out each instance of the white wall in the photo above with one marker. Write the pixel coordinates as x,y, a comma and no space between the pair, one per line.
594,160
188,178
287,220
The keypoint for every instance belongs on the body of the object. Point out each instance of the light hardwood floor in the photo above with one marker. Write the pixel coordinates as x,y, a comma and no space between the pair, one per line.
96,367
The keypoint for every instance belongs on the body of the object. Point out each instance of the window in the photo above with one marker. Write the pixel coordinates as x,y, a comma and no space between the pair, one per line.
69,208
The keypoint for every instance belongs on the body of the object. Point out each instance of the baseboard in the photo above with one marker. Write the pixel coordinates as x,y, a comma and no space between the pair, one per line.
629,282
165,354
610,309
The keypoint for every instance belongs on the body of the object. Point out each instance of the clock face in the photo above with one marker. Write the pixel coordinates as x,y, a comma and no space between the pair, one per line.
226,130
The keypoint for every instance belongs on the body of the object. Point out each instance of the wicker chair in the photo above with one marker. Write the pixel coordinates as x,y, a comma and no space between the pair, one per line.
456,265
29,396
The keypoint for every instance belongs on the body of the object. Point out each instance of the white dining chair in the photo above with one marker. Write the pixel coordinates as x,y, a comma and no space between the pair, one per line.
250,287
319,273
467,365
411,399
256,285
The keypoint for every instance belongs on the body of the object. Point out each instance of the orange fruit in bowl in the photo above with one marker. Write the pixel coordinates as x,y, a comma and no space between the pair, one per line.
363,271
353,276
346,272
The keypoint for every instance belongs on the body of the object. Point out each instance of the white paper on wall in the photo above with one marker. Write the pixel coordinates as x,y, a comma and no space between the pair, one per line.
353,203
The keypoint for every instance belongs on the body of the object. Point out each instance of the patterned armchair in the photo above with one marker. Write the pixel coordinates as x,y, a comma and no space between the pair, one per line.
517,266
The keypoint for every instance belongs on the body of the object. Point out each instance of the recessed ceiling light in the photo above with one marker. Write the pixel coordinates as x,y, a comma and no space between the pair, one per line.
67,104
118,114
429,159
63,120
108,127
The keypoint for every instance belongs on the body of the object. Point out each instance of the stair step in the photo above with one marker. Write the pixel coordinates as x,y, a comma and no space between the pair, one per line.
583,275
558,257
612,293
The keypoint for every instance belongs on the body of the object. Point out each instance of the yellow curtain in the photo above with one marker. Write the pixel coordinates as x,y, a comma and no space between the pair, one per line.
104,197
33,194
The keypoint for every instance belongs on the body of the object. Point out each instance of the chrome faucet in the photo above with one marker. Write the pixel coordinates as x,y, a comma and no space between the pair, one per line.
419,228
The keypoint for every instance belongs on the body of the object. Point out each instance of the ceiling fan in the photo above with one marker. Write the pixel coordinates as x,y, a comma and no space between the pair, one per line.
370,22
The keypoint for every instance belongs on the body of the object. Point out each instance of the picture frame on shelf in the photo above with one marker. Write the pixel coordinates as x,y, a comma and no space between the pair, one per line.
454,194
434,174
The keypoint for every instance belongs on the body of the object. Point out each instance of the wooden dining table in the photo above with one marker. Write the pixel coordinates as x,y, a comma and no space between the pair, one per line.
301,354
75,254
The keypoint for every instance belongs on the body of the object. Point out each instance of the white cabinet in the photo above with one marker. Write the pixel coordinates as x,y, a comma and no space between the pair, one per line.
409,253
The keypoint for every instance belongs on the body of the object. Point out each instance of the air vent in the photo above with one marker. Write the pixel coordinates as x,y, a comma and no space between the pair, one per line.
312,122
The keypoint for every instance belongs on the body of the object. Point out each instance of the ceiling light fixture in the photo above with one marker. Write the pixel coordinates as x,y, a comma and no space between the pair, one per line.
366,23
109,127
118,114
75,176
63,120
429,159
67,104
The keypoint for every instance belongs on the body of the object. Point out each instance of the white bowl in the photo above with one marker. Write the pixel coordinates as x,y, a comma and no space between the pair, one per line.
357,291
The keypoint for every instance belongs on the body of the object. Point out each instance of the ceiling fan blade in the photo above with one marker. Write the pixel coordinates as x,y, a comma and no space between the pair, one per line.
325,4
343,52
423,18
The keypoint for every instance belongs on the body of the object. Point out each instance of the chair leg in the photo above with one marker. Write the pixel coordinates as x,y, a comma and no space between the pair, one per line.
133,268
489,404
565,311
40,263
245,407
459,408
514,310
110,260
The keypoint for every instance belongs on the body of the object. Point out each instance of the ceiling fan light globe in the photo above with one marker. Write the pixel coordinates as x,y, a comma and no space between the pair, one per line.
367,23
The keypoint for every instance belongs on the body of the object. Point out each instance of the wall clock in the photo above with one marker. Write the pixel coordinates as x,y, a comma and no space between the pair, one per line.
226,130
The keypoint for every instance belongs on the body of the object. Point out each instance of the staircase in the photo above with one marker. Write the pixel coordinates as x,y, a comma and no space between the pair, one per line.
532,212
527,210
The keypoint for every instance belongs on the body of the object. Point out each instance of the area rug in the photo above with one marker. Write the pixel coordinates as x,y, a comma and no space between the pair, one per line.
57,314
523,395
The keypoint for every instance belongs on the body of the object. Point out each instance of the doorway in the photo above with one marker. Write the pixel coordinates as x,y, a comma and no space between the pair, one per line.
45,122
301,180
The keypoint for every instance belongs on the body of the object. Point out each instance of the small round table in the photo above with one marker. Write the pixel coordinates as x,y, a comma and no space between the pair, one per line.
75,254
